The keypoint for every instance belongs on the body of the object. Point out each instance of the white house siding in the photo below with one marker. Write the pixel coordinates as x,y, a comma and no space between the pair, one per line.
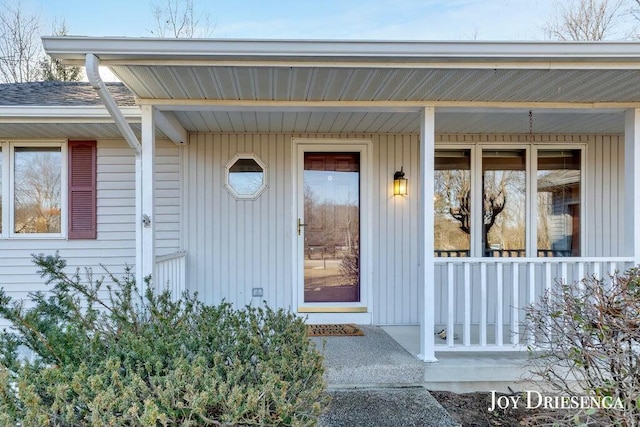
115,244
168,197
234,246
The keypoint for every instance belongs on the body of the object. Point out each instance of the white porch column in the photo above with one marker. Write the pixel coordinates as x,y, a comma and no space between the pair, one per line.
632,183
426,243
145,206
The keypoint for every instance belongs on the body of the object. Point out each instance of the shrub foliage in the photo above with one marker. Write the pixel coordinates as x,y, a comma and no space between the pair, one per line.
107,355
588,344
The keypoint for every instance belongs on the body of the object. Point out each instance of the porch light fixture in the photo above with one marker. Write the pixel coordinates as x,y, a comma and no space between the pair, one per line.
400,183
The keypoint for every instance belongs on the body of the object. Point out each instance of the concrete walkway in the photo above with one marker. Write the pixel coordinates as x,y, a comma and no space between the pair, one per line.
374,381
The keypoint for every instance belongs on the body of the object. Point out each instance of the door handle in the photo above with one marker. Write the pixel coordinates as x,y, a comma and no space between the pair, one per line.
300,225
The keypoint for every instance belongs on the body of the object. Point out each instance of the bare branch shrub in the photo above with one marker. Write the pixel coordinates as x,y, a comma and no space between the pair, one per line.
588,344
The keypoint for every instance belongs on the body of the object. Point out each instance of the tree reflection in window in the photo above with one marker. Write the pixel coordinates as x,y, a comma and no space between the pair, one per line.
558,213
37,194
504,202
452,202
246,177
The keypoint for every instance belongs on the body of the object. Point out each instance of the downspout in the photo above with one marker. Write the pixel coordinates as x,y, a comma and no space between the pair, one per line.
92,64
92,67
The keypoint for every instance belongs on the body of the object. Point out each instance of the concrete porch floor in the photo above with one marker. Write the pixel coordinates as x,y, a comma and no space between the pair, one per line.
465,371
385,357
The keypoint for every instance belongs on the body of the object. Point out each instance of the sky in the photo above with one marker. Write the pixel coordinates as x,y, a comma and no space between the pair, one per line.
317,19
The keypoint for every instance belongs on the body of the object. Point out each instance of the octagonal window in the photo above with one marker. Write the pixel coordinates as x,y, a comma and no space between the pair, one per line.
245,176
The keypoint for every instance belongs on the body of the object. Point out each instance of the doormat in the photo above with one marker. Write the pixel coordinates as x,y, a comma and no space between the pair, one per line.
337,330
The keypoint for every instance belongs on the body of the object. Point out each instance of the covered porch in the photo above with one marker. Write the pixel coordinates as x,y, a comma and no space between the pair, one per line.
404,103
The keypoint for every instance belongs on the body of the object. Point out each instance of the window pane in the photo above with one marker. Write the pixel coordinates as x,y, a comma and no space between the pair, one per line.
37,190
452,203
504,202
246,177
558,203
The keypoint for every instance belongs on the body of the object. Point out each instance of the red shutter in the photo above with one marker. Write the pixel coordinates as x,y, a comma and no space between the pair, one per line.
82,189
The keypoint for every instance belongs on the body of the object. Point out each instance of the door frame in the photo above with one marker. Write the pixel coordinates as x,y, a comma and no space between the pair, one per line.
334,312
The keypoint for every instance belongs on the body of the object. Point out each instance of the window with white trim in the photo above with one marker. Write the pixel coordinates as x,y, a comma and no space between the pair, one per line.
245,176
508,201
33,189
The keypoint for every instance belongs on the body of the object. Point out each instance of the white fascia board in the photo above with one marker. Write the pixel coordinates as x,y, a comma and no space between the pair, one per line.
69,114
123,50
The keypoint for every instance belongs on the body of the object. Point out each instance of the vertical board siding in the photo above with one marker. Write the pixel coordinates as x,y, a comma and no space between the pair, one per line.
233,245
236,245
604,205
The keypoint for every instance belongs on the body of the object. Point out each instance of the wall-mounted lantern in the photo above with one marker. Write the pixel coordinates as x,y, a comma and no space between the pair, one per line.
399,183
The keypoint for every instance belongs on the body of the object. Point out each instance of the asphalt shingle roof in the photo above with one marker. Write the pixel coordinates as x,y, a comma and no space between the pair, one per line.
61,94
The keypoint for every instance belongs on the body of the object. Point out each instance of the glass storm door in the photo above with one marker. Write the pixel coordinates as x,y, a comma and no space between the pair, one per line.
331,227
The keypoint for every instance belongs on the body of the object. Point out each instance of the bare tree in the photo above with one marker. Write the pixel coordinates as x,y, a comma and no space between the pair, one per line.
179,19
53,69
20,49
589,20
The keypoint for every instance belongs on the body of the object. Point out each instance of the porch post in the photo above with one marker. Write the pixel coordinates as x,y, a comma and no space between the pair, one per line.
145,206
426,239
632,183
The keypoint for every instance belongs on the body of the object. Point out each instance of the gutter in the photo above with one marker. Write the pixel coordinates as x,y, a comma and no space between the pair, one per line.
92,66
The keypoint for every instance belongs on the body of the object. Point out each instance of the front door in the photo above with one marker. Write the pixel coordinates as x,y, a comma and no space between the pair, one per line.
329,228
331,212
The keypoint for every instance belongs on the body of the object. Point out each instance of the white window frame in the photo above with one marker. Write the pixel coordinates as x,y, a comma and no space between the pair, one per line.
8,188
229,187
531,190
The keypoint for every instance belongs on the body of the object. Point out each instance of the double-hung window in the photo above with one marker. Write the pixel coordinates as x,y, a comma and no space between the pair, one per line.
508,200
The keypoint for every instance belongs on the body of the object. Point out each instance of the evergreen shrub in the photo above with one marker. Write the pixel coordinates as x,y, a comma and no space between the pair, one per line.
108,354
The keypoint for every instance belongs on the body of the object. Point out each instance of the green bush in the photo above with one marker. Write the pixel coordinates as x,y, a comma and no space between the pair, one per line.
105,355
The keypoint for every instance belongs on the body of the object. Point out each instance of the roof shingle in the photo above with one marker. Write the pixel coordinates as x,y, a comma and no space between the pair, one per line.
61,94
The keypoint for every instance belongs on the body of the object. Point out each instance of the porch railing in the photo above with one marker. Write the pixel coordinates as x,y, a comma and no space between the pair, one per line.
171,273
481,302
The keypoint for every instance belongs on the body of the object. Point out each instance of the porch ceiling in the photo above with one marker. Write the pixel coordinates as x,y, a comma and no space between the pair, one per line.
364,84
373,86
555,122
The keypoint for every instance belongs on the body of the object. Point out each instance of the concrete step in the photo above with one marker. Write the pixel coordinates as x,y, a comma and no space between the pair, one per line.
372,360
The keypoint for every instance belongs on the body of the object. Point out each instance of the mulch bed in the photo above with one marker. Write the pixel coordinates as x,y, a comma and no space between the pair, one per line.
471,410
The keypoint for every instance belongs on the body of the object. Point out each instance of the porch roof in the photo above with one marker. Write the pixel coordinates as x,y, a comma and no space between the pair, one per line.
373,86
62,110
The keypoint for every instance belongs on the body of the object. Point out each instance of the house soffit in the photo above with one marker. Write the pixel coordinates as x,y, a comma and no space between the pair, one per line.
268,82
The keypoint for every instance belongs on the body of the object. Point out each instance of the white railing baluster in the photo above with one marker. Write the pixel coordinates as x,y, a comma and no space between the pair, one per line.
613,266
451,305
596,269
170,274
581,276
467,305
499,303
483,304
476,290
547,286
515,321
547,276
532,295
